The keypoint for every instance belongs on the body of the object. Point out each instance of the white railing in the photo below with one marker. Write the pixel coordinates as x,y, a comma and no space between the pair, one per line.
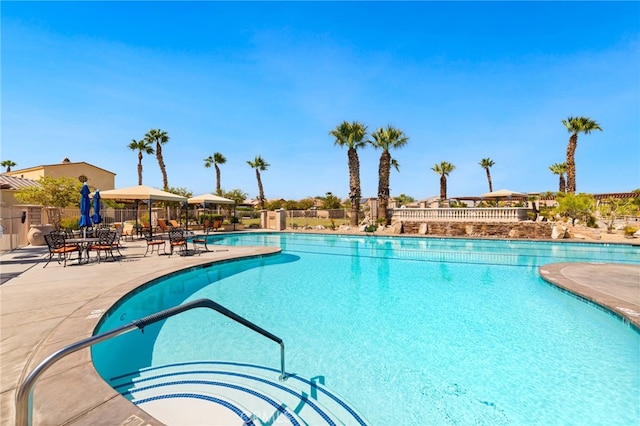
485,214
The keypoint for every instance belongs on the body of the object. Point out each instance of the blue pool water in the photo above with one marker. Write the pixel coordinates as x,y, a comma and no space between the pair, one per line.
409,330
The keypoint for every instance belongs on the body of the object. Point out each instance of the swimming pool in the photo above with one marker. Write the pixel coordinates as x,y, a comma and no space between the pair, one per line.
410,330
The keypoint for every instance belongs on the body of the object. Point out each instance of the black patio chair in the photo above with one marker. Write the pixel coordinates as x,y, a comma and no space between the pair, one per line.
56,242
178,240
154,242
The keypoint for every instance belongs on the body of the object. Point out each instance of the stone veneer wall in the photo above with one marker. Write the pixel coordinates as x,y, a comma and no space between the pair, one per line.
524,230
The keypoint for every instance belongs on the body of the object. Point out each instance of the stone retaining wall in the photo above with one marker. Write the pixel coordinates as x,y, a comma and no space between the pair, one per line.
523,230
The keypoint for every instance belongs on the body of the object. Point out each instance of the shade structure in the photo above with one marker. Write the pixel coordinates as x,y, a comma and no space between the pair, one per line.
141,193
209,199
85,207
96,218
503,193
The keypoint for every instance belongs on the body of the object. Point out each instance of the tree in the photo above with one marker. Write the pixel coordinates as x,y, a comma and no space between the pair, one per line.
236,195
352,135
54,192
8,164
214,160
611,209
160,138
403,200
443,169
143,147
576,207
260,166
486,164
330,201
386,139
574,126
560,169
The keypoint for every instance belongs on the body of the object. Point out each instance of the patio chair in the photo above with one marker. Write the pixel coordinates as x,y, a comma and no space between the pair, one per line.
128,231
178,240
58,247
174,223
154,242
217,224
106,239
201,240
116,242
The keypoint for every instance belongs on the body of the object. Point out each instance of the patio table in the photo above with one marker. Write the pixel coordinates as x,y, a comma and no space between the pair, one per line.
83,246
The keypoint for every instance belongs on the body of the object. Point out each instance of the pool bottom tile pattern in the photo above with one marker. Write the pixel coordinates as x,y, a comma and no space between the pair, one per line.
233,394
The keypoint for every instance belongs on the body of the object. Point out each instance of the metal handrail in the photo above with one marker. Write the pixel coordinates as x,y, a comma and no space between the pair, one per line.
24,396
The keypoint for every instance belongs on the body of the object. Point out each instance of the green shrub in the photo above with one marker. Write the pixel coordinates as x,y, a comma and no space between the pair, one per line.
70,223
630,230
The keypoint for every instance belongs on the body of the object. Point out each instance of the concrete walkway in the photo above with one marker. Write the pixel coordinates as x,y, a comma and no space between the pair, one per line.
45,309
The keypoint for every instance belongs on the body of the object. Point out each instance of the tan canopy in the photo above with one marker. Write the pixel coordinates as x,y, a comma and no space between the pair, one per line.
140,192
503,193
209,198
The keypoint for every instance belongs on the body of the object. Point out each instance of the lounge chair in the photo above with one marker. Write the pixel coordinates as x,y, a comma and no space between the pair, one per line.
128,231
59,247
162,224
174,223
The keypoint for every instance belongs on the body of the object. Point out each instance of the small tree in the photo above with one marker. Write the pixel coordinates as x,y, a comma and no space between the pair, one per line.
330,201
613,208
55,193
576,207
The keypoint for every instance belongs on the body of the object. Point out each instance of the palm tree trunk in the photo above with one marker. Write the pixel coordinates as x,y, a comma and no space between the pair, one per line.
443,187
354,185
383,184
163,168
489,180
571,163
140,168
218,190
260,190
563,184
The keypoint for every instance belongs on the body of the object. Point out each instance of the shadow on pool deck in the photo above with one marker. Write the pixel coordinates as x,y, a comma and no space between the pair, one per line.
43,310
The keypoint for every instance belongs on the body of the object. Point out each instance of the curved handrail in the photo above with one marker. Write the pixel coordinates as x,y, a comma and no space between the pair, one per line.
24,396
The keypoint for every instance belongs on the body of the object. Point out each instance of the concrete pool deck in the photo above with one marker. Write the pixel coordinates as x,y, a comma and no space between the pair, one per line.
45,309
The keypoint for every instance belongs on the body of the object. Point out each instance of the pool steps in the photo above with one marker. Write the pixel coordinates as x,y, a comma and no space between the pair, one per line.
233,393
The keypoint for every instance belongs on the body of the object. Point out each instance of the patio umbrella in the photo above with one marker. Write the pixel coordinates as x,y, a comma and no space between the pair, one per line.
96,218
85,208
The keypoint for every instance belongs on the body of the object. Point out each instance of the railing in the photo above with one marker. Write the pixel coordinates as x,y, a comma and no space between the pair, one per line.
486,214
24,396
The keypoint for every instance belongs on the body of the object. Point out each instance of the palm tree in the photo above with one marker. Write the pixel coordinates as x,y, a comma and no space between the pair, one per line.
574,126
385,139
352,135
486,164
560,169
8,164
159,137
143,146
443,169
260,165
214,160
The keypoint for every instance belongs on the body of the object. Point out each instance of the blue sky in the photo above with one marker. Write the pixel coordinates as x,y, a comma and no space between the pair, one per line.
463,80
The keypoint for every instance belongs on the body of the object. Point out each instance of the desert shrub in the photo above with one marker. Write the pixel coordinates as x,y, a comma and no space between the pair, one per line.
630,230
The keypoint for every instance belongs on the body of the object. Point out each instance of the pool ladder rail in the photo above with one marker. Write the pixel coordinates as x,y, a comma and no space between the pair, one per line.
24,395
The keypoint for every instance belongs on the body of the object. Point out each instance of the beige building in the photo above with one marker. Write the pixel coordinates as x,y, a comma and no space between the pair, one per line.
96,177
16,218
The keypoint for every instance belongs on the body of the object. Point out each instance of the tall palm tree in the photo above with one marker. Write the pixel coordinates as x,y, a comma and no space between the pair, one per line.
574,126
560,169
260,165
214,160
352,135
159,137
486,164
386,139
8,164
443,169
143,146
